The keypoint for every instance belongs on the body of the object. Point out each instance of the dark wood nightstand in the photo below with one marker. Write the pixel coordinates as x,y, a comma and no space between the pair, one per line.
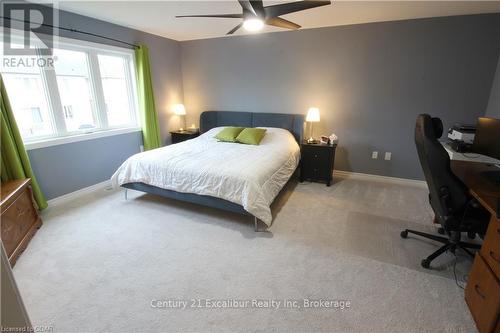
316,162
179,136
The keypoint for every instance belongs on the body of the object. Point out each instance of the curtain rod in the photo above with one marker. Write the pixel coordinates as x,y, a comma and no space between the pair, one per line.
72,30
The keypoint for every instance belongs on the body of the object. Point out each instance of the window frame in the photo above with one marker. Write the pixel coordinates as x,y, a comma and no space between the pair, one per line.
51,91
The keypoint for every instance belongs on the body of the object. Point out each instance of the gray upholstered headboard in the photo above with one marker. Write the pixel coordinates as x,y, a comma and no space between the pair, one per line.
292,122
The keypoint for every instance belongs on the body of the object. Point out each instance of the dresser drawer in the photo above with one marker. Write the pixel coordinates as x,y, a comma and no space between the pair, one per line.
17,220
491,246
482,296
317,156
314,171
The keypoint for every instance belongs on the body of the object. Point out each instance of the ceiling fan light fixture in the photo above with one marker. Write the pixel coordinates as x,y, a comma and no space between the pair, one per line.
253,24
255,15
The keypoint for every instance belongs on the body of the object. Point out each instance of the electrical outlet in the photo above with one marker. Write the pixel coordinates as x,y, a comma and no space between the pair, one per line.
388,156
375,155
141,148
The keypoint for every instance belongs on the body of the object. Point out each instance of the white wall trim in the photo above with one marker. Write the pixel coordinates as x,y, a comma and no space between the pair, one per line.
76,194
337,173
384,179
61,140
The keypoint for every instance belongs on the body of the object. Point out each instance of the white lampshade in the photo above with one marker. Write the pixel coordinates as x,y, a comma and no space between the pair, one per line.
312,115
179,109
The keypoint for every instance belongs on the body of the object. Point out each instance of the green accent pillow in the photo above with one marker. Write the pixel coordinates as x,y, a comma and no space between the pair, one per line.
229,134
251,136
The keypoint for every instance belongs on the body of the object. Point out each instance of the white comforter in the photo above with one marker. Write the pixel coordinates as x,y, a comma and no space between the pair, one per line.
248,175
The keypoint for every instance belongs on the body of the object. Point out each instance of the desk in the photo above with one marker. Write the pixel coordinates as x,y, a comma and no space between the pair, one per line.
482,293
469,157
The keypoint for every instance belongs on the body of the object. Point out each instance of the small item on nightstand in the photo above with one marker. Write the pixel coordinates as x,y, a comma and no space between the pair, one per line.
324,140
329,140
334,139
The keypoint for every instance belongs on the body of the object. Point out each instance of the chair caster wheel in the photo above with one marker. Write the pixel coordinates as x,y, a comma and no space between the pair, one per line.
441,231
471,235
426,263
404,234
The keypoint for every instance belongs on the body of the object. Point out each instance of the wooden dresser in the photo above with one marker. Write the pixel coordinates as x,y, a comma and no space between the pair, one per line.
19,219
482,293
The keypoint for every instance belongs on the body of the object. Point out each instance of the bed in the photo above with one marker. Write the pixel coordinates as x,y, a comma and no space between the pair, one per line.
239,178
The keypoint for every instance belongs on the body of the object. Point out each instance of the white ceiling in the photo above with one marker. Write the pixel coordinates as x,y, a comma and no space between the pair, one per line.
157,17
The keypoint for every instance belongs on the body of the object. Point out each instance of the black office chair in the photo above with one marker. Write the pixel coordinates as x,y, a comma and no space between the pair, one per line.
455,210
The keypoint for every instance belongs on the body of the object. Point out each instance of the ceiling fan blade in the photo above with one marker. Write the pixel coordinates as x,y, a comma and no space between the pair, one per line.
281,23
214,15
233,30
247,7
286,8
258,7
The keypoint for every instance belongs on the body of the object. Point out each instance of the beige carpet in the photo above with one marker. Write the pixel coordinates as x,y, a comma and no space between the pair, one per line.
98,263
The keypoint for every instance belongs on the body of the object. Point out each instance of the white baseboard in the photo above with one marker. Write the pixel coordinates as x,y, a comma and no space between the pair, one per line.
384,179
73,195
337,173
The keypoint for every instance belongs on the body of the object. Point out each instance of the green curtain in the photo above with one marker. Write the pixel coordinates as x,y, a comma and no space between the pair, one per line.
15,163
149,119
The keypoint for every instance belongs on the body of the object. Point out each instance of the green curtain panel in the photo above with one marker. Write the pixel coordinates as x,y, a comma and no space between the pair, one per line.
149,118
15,163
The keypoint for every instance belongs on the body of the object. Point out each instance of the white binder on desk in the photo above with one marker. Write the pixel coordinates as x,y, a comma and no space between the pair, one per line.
469,157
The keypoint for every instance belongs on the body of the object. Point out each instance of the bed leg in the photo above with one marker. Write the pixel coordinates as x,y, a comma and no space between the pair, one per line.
126,194
256,225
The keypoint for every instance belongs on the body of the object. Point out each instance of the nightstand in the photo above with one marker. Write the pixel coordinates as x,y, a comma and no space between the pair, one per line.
179,136
316,162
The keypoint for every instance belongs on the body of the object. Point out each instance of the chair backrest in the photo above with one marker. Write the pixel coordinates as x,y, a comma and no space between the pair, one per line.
447,194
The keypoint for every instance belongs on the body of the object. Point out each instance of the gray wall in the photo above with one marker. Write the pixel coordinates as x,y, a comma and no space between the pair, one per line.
493,110
66,168
69,167
370,81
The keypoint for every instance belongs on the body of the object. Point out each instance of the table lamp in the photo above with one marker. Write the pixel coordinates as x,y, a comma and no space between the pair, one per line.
180,110
312,117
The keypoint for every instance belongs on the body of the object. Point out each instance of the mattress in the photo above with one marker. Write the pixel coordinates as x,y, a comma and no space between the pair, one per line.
248,175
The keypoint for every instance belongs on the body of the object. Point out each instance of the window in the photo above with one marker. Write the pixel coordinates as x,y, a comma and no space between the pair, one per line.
73,81
89,89
115,76
32,114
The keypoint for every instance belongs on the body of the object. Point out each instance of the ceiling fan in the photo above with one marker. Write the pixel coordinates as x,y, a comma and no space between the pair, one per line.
255,15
